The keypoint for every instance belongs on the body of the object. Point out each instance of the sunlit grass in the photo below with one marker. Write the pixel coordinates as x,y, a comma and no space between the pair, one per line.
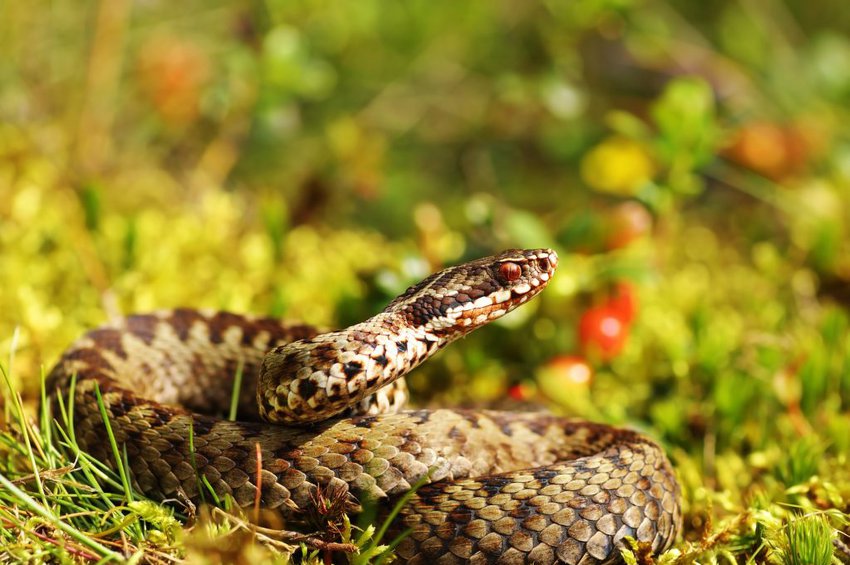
808,541
58,503
57,500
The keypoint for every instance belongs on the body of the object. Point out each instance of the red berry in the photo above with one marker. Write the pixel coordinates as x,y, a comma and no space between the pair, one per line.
624,302
603,332
516,392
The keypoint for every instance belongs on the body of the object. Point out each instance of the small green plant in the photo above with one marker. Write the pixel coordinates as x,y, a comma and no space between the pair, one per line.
807,541
800,463
53,503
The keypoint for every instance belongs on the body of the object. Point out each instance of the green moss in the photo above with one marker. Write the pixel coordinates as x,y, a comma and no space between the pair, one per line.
808,541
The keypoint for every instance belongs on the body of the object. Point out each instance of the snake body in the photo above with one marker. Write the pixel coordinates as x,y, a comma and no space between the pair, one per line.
502,487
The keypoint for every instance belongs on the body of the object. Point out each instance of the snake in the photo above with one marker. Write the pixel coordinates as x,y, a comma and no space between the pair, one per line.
322,411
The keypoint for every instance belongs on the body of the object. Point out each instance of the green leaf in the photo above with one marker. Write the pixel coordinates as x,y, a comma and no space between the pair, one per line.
687,132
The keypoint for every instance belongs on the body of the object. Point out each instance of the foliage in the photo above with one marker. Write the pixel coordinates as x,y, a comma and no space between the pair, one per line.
689,161
808,540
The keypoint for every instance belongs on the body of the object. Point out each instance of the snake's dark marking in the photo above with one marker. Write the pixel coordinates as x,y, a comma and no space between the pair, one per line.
505,487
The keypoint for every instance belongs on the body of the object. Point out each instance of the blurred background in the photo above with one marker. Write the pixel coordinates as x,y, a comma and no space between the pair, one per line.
689,161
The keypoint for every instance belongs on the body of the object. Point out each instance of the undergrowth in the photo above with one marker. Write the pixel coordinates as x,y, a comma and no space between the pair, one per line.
59,504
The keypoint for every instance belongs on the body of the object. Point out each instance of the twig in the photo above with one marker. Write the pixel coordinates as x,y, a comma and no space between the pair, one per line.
48,474
286,536
257,495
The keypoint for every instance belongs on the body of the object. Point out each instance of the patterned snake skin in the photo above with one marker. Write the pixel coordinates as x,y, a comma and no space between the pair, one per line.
504,487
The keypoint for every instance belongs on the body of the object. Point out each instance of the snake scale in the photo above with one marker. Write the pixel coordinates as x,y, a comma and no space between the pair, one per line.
502,487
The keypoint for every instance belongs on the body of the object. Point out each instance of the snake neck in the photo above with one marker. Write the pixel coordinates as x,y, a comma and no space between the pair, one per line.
313,379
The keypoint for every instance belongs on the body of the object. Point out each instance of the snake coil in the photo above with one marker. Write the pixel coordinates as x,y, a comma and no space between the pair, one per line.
502,487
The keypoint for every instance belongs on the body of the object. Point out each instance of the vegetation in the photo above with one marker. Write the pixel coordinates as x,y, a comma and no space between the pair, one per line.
689,161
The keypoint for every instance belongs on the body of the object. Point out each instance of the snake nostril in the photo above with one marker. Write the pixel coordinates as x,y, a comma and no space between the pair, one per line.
543,264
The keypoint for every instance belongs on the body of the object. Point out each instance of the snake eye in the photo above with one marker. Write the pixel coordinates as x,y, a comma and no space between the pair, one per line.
510,271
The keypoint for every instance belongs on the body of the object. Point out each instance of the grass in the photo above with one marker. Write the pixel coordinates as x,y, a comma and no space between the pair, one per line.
807,541
59,504
52,503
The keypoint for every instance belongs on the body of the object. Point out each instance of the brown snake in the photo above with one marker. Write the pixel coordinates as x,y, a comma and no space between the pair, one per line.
503,487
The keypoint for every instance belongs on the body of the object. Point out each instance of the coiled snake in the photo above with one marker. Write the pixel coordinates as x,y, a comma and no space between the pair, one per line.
504,487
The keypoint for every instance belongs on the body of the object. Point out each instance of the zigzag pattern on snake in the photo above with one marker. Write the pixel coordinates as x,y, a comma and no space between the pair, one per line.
503,487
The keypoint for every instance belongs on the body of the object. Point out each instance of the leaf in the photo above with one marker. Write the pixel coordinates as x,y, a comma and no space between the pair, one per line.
688,133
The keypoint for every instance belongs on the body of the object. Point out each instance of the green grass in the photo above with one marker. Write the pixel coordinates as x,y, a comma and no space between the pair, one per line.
57,501
807,541
59,504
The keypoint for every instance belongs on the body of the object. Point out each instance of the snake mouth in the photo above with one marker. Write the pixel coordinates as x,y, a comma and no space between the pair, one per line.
526,290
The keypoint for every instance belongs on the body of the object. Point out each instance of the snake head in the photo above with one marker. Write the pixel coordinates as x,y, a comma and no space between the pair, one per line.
467,296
